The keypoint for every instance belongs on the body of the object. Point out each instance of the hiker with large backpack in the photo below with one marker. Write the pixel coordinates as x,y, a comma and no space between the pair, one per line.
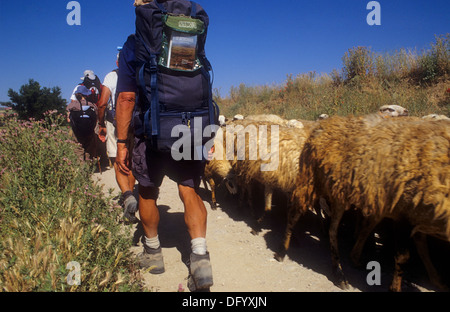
92,83
107,134
83,120
94,86
165,92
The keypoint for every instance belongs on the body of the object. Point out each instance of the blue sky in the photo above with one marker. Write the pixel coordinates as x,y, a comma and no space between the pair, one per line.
256,42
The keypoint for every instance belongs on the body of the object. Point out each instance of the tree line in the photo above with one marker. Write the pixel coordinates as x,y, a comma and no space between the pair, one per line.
32,100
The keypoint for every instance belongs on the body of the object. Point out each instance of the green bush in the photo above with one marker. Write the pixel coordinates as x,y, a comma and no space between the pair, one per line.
32,100
358,63
51,214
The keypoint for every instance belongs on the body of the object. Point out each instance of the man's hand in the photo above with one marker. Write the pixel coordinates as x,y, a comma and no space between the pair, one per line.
102,133
123,158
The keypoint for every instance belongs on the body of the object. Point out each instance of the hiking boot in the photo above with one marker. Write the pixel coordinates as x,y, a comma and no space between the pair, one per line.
152,260
200,277
130,208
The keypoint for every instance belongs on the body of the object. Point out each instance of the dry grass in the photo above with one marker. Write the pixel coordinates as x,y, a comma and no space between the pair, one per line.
52,214
368,80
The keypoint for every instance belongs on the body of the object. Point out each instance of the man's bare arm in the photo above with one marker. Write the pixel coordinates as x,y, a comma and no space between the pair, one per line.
124,114
101,106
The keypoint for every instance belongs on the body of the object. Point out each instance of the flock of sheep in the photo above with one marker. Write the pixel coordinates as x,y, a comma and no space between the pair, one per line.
383,165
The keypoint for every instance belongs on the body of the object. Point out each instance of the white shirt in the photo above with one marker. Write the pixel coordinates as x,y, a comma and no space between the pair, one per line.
111,83
73,97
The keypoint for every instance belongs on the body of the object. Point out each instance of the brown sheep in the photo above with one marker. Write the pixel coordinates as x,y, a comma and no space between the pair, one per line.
216,173
218,170
386,168
272,118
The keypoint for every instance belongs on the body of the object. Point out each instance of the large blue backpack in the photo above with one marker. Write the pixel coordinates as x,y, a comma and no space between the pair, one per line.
173,75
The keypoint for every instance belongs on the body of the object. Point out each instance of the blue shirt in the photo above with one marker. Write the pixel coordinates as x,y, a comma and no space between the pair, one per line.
126,81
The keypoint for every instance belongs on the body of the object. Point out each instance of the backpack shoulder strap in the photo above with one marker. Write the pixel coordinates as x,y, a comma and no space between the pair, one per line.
161,7
193,9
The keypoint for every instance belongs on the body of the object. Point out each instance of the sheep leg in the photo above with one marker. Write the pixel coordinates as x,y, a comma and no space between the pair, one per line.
205,186
246,195
402,233
250,203
212,184
268,192
243,190
338,274
293,217
246,199
367,227
241,198
322,211
400,260
420,240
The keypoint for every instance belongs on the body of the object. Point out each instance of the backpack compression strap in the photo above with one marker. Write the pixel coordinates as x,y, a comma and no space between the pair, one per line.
154,98
205,72
153,111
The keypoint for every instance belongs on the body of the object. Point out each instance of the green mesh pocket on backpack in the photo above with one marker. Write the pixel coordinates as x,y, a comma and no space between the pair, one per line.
179,44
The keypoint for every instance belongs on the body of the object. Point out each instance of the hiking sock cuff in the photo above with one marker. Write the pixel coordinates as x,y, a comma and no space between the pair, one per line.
198,246
152,243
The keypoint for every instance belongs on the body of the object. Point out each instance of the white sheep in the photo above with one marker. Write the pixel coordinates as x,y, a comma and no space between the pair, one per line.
286,151
436,117
393,111
222,120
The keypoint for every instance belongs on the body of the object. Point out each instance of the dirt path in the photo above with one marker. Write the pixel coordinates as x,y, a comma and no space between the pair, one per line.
241,261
